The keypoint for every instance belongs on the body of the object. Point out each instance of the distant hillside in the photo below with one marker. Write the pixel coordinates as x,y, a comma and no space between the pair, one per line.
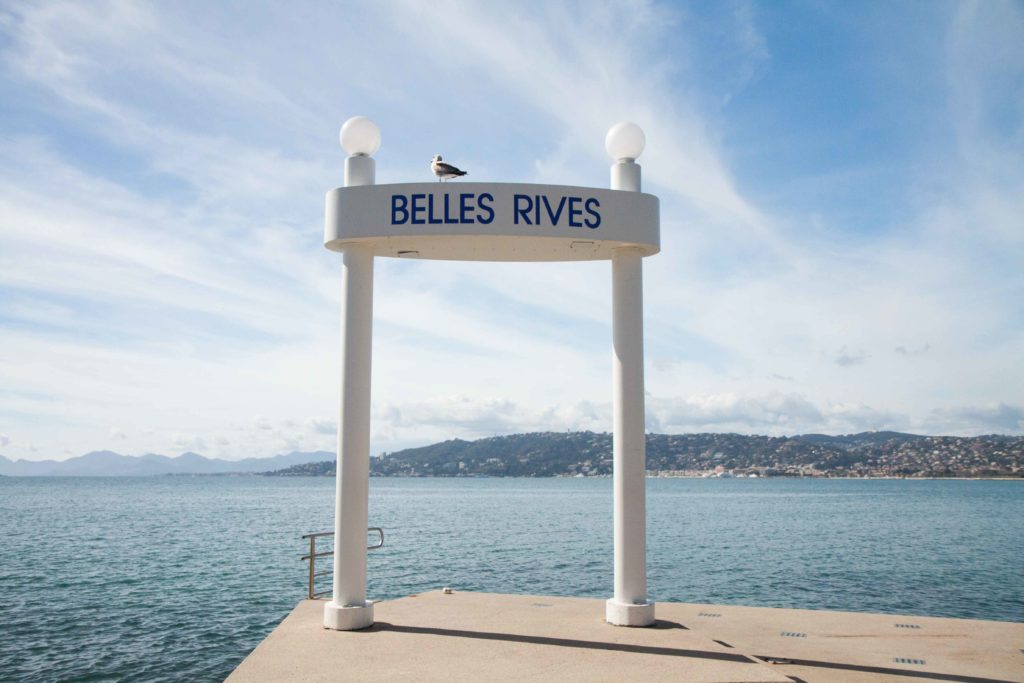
864,439
110,464
547,454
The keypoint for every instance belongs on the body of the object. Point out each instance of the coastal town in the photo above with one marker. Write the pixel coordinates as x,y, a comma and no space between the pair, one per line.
589,454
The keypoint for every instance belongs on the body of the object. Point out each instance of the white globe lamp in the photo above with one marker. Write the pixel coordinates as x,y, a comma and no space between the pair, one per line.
360,136
625,140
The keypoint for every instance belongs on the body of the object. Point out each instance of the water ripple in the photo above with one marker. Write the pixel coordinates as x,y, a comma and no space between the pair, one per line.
171,579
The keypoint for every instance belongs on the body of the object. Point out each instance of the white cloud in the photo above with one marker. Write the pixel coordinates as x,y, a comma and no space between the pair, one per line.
399,425
176,282
846,358
775,413
587,72
912,350
4,440
189,442
723,412
321,425
993,418
117,434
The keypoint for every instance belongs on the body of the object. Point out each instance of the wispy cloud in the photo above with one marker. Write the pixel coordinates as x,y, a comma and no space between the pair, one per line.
912,350
998,418
846,358
585,71
161,189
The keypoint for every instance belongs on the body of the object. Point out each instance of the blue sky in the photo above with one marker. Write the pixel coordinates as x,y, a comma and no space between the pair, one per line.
842,190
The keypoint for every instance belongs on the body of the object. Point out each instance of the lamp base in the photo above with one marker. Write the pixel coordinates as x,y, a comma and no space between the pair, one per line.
348,617
627,614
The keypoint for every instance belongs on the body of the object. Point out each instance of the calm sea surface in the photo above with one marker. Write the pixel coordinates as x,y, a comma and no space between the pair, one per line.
175,579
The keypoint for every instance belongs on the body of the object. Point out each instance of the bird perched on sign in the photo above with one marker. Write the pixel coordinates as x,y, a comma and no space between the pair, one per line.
444,171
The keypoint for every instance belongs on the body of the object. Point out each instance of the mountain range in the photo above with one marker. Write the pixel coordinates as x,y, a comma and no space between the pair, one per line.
545,454
110,464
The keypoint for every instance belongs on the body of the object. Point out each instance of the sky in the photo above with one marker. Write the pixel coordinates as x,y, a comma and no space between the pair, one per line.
842,202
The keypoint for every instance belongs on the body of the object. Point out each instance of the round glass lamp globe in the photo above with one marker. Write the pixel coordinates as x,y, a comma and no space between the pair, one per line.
360,135
625,140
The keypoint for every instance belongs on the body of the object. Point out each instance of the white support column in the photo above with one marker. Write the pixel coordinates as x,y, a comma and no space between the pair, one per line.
629,605
349,609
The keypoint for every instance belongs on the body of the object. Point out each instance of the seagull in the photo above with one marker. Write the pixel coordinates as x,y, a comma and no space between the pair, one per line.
444,171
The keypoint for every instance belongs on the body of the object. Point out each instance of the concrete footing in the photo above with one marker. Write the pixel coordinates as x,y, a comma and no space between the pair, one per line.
348,617
627,614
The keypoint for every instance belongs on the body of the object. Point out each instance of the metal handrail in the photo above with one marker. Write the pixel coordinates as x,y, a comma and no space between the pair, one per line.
313,554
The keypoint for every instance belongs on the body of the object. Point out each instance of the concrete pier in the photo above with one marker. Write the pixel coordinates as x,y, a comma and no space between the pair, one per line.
480,636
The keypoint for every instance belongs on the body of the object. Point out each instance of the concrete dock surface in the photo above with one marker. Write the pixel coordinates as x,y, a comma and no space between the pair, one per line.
487,637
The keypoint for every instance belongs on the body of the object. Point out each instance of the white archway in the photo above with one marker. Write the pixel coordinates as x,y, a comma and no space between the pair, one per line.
490,222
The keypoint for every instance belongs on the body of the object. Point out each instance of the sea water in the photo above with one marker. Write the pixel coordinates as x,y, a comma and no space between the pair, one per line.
178,578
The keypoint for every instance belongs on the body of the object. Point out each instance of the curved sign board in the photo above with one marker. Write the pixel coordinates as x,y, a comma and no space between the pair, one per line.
491,221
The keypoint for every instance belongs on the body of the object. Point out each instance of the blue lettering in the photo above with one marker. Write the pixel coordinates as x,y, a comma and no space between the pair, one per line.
399,209
575,212
592,205
517,211
448,219
417,208
554,215
465,206
481,206
430,210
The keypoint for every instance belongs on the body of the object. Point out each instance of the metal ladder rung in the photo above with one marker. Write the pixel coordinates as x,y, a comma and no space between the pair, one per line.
323,554
313,554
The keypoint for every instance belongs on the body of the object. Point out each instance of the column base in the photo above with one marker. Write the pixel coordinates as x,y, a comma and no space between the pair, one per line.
627,614
348,617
